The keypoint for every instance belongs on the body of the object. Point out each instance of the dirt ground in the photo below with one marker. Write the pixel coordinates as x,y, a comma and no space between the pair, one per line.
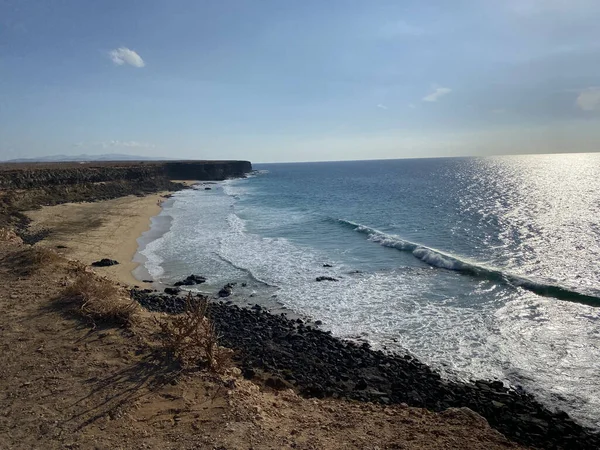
65,384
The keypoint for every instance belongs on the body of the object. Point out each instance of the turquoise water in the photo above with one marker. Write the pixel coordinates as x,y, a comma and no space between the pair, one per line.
481,267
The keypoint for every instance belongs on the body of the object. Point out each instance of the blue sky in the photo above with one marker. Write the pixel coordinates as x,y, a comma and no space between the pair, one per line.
299,80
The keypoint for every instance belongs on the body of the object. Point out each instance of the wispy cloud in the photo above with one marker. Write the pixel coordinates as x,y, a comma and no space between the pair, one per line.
400,28
438,92
589,99
115,143
382,106
124,55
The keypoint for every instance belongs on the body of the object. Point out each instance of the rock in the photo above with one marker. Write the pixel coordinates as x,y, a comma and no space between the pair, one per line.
361,385
248,373
277,383
326,278
327,265
226,291
319,365
191,281
147,281
172,290
105,262
207,189
318,322
61,246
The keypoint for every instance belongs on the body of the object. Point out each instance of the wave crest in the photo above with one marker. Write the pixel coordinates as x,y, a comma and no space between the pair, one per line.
442,260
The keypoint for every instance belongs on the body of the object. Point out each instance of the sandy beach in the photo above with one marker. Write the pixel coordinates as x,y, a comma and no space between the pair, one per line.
103,229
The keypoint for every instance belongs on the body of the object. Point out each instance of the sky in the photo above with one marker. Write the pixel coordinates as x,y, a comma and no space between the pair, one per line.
311,80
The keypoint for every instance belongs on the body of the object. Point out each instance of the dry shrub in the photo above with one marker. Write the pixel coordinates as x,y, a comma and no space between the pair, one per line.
100,301
44,256
31,259
191,340
6,234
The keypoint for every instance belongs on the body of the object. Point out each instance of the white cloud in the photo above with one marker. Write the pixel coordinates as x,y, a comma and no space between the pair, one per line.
123,55
437,93
382,106
411,106
115,143
589,99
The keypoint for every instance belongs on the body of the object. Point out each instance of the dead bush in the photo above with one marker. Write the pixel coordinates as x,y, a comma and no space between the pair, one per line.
6,234
42,256
191,340
29,260
100,301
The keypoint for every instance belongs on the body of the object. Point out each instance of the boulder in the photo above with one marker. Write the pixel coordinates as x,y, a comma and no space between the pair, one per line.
226,291
191,281
105,262
326,278
172,290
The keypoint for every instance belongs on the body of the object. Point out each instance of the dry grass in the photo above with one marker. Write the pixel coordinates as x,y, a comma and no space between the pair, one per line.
100,300
6,234
26,261
191,340
41,256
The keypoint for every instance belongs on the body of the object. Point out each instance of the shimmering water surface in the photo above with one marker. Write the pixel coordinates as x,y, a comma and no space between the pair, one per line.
481,267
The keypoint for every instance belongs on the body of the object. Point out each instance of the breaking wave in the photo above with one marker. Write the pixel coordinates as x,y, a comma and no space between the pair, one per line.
442,260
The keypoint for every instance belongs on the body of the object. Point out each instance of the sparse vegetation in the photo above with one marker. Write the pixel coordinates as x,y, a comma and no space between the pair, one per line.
41,256
191,340
31,259
100,300
6,234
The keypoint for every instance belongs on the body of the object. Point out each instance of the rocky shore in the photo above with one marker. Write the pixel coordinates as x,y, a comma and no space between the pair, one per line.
288,353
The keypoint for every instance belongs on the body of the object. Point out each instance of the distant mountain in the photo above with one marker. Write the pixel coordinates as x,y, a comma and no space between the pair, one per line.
76,158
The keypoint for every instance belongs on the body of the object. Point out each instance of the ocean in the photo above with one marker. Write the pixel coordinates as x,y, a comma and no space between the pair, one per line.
480,267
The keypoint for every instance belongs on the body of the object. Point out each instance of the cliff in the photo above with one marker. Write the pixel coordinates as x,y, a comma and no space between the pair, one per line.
43,175
31,185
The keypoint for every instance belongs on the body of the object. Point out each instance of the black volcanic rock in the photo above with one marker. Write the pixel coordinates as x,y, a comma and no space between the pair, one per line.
319,365
326,278
191,281
105,262
226,291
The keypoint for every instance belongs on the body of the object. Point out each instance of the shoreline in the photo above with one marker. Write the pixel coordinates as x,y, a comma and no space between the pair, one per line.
277,352
109,229
91,231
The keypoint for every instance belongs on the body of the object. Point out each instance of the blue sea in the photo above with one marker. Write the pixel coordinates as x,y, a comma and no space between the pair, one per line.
481,267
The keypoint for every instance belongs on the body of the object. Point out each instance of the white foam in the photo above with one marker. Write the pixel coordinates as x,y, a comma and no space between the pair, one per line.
488,335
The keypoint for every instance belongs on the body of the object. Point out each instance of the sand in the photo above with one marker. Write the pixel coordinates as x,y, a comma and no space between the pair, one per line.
102,229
